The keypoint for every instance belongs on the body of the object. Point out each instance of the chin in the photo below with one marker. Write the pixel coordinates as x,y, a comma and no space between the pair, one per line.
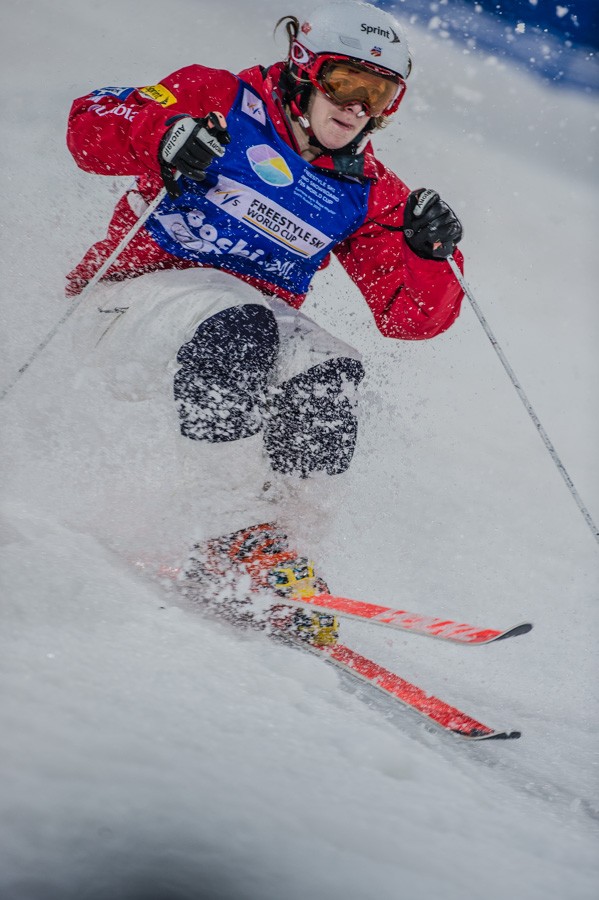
338,142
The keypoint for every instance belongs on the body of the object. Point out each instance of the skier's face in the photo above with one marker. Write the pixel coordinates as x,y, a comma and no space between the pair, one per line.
333,125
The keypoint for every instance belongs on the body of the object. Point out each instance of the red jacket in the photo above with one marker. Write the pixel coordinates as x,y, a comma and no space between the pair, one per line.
118,131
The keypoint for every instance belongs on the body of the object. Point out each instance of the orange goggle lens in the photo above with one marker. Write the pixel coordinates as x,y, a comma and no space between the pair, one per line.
344,83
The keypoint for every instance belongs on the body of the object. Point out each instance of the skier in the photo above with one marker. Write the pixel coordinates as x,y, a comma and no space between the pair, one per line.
269,172
264,199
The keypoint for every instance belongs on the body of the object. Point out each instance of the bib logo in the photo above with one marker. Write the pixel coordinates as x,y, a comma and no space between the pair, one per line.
253,107
273,222
269,166
193,233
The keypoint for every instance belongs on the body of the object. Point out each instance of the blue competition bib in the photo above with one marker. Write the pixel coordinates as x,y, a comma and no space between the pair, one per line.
262,211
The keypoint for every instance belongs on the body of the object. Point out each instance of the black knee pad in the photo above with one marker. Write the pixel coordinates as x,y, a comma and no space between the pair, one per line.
311,424
224,372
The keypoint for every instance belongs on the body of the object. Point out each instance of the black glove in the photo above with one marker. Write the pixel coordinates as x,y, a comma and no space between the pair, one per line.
430,226
189,146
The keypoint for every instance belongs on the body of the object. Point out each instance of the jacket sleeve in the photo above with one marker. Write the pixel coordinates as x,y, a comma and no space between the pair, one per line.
410,298
117,131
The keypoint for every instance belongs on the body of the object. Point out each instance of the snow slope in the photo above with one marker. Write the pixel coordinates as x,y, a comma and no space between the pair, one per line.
150,752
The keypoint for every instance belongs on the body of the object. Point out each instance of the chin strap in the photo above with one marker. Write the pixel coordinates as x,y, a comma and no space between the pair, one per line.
299,116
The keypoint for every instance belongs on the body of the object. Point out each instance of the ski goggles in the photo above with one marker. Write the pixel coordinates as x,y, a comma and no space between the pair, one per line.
345,82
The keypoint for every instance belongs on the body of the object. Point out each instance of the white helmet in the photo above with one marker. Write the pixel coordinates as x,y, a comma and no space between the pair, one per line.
359,31
350,51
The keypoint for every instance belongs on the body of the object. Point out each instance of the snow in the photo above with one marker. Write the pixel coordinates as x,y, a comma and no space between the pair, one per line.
151,752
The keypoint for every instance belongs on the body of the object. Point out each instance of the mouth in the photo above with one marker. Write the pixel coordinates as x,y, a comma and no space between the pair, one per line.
345,126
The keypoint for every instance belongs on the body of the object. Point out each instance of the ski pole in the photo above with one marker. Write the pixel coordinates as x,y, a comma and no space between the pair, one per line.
527,404
86,290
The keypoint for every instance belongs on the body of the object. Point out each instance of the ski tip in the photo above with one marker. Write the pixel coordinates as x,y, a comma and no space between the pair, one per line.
524,628
489,735
505,735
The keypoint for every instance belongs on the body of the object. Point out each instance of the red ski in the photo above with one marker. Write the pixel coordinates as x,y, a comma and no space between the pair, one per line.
444,629
432,708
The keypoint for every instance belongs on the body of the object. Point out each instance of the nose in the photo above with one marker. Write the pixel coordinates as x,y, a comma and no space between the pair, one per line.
355,107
